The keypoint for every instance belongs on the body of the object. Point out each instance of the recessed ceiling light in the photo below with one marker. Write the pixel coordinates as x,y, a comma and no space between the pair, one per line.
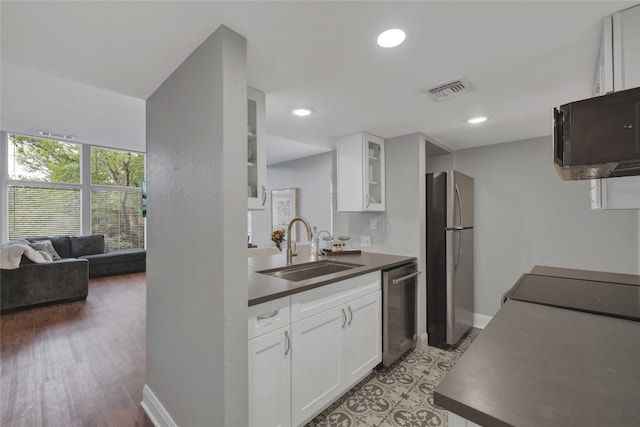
391,38
302,111
476,120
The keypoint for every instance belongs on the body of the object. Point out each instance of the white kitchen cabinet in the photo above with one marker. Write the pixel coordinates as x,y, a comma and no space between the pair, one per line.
626,49
336,348
256,151
618,66
361,173
317,377
307,349
603,82
363,347
270,379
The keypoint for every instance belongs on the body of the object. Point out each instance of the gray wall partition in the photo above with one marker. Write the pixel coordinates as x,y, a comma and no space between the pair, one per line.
196,262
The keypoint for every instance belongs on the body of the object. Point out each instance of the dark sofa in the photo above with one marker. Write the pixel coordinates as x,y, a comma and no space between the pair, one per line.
119,261
66,279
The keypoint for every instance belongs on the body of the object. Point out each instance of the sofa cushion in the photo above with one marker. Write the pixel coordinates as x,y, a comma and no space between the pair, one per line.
87,245
47,247
117,262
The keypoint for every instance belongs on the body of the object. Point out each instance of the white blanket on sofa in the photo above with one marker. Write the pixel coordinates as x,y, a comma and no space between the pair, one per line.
11,254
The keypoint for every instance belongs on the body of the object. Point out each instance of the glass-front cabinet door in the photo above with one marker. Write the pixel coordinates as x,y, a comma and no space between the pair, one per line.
256,151
374,173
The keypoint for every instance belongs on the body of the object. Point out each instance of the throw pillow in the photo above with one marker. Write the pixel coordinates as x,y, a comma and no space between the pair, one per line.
47,247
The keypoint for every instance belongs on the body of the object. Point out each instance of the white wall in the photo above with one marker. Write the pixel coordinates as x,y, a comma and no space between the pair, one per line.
525,215
33,101
196,256
313,176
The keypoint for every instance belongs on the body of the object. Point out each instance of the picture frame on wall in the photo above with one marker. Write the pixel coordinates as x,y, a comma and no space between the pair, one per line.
284,207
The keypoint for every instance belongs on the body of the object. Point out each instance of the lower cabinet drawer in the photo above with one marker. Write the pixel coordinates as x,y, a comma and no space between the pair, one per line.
269,316
315,301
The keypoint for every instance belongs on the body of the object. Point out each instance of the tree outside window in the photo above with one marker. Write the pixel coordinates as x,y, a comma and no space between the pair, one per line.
116,210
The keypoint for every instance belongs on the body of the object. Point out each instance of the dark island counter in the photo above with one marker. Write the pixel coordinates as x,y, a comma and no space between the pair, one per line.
542,365
264,288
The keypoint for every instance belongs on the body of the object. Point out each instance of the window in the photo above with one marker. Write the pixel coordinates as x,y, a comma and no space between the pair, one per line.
35,211
48,197
118,215
116,199
44,187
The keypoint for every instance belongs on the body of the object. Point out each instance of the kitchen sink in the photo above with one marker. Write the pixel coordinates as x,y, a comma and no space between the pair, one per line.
309,270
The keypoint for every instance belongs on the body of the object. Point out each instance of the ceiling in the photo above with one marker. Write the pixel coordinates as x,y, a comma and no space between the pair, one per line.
522,58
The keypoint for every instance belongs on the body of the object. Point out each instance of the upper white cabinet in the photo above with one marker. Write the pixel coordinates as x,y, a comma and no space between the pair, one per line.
361,173
603,82
256,151
626,49
619,58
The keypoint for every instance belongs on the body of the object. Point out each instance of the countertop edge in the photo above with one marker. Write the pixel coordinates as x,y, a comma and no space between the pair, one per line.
291,288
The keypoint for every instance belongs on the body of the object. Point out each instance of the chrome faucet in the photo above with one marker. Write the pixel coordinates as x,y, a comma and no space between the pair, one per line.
291,253
321,251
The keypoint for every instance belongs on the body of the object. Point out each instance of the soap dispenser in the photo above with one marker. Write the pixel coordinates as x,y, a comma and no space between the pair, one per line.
315,246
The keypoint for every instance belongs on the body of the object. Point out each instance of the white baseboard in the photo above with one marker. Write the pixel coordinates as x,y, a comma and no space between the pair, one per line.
423,342
480,320
154,409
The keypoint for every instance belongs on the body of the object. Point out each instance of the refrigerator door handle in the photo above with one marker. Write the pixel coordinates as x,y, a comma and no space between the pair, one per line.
461,207
455,267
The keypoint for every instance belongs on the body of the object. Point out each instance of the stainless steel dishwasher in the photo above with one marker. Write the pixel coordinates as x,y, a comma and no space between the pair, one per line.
399,290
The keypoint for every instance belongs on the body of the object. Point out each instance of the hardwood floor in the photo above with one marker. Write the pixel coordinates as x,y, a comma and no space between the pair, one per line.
77,364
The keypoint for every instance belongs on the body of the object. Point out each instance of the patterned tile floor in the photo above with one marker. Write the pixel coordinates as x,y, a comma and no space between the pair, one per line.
398,396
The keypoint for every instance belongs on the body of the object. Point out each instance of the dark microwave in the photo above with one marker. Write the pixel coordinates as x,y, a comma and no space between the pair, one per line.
598,137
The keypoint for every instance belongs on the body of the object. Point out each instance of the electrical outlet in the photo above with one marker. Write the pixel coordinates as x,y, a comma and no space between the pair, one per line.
373,223
365,241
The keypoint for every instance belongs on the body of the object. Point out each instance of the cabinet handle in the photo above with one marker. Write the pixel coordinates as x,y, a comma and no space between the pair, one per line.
368,201
344,318
287,342
264,195
350,315
267,316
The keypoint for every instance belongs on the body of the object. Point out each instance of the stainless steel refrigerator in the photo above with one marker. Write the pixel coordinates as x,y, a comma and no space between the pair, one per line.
449,258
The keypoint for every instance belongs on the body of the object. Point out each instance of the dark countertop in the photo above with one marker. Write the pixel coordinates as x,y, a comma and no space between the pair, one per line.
572,273
536,365
264,288
592,296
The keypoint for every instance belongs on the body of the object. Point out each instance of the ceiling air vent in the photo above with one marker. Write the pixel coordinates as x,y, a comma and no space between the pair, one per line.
450,89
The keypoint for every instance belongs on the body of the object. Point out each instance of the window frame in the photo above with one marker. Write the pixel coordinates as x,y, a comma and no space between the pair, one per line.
85,186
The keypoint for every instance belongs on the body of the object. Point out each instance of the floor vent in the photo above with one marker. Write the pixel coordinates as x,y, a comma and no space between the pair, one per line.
450,89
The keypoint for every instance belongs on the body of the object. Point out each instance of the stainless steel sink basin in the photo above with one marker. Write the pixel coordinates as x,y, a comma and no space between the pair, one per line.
309,270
